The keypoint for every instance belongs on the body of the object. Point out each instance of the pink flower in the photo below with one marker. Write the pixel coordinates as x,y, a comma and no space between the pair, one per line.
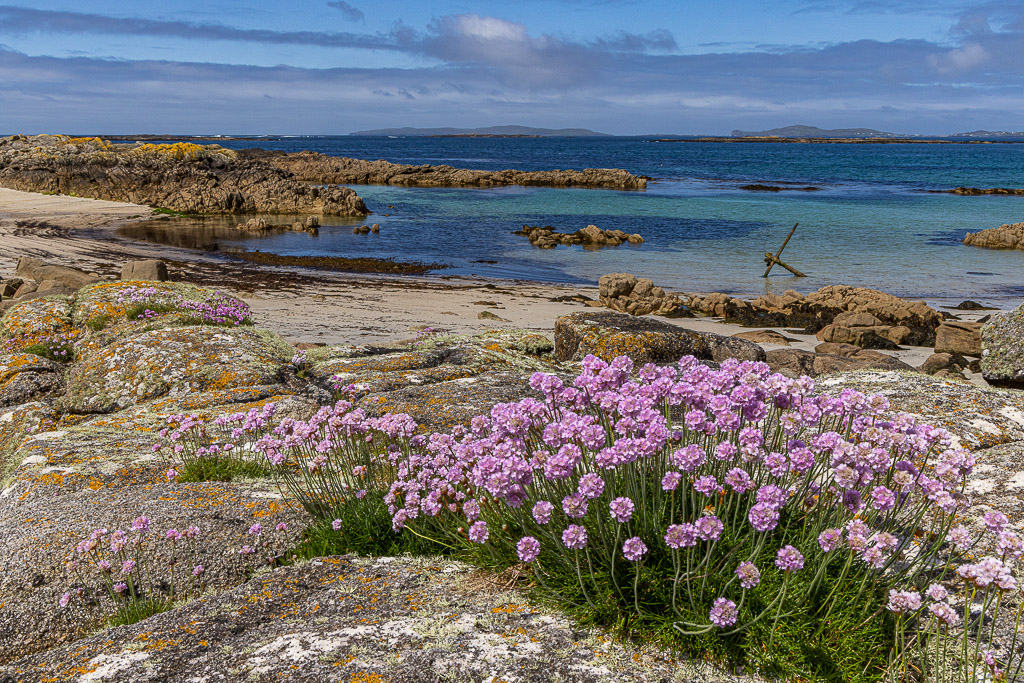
336,525
574,537
528,548
723,613
622,509
634,549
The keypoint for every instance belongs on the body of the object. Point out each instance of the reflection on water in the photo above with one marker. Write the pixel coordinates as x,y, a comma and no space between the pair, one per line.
219,233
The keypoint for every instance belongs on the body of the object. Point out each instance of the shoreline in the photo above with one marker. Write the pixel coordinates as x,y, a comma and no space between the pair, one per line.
308,306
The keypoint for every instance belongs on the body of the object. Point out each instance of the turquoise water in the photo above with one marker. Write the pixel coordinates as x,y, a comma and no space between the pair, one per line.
872,223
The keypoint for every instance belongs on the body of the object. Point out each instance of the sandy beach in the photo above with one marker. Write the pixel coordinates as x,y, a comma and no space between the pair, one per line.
313,306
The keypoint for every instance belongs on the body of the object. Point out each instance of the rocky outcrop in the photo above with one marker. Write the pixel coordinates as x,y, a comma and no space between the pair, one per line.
607,335
320,168
830,358
898,321
973,191
590,236
1006,236
626,293
1002,349
182,176
311,225
34,279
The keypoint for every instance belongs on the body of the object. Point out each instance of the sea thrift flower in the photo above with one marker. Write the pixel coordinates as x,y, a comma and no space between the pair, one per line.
128,566
141,523
789,559
281,526
246,550
622,509
707,485
120,587
198,570
471,509
542,512
944,613
591,486
574,506
709,528
739,480
671,481
65,599
763,517
574,537
995,521
901,602
256,529
830,539
634,549
336,525
748,574
937,592
478,533
528,548
723,613
681,536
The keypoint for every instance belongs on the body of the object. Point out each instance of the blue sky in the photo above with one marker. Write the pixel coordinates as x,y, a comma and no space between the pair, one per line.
616,66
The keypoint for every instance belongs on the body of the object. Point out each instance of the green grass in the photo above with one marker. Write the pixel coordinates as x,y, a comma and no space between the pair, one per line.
222,468
168,212
135,610
133,311
99,323
44,351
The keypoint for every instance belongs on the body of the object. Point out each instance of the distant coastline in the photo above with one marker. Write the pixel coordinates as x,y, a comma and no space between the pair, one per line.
841,141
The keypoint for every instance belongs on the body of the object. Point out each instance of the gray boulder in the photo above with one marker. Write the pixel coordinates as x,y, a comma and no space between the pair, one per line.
1002,349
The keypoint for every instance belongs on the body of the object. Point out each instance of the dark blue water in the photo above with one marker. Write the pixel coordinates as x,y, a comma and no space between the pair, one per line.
872,222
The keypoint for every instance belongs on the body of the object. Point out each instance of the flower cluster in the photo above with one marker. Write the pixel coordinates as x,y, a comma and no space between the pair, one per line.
130,569
57,346
146,303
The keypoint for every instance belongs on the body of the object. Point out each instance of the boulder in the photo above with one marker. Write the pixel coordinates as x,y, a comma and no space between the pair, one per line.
151,270
29,268
627,293
794,362
607,335
1002,349
764,337
791,362
1007,236
614,285
25,289
9,286
957,336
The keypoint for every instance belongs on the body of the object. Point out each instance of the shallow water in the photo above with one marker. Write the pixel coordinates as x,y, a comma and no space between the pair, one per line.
873,222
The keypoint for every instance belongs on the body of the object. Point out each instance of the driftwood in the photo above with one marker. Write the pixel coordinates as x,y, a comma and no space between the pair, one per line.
772,259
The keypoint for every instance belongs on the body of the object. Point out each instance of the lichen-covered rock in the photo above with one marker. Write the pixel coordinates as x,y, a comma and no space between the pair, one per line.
181,176
607,335
321,168
980,417
174,362
30,321
39,535
409,620
1002,349
25,377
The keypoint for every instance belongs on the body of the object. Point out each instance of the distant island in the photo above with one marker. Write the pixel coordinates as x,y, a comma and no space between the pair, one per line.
490,131
989,134
815,132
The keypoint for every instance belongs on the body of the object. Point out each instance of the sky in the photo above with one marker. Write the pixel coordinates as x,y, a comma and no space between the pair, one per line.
626,67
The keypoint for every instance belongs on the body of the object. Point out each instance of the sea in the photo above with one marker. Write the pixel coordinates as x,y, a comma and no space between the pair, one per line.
874,220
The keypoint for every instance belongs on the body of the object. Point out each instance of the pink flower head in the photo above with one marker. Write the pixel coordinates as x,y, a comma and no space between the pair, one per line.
723,613
995,521
681,536
591,485
789,559
622,509
120,587
671,481
634,549
141,523
336,525
830,539
574,537
256,529
901,602
528,548
197,570
281,526
478,532
542,511
128,566
748,574
574,506
65,599
709,528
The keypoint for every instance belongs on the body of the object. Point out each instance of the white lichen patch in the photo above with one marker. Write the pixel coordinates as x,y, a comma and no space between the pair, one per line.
46,436
109,666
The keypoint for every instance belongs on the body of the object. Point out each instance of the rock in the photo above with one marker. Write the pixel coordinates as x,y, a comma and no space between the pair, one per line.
360,619
973,306
954,336
593,235
323,169
1002,349
791,362
26,267
9,287
764,337
794,362
182,176
25,289
635,239
314,222
375,228
614,285
26,377
875,337
607,335
33,269
252,225
590,237
150,270
899,321
1007,236
836,349
487,315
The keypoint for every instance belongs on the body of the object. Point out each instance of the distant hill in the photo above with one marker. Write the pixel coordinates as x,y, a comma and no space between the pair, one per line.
815,132
489,131
989,134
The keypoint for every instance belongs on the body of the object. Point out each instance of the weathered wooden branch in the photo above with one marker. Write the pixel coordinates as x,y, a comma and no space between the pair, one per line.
772,259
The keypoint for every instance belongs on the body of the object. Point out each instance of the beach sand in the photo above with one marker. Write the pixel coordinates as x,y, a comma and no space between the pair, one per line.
313,306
